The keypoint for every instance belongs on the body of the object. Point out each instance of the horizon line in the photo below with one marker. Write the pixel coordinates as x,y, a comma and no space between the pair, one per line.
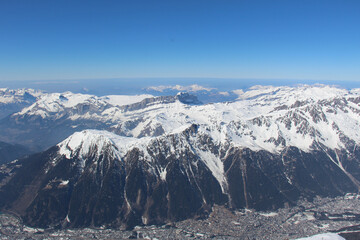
175,78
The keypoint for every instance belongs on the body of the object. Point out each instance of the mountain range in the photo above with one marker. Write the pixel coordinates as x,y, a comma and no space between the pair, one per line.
121,161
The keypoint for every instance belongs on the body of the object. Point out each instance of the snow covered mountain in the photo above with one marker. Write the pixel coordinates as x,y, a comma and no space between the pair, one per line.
170,158
54,116
12,101
97,178
56,105
268,118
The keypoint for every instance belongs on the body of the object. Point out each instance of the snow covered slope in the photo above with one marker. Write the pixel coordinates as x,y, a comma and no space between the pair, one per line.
269,118
16,96
98,178
12,101
170,158
85,142
324,236
56,105
96,142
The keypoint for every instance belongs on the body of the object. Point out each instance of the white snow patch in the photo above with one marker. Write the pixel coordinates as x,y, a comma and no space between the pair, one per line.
64,183
269,214
323,236
32,230
352,196
144,220
215,165
163,174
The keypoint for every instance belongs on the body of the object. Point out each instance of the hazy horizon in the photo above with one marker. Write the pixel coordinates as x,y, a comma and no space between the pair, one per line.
162,86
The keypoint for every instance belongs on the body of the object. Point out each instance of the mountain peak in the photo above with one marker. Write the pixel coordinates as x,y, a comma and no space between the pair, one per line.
84,142
263,118
95,142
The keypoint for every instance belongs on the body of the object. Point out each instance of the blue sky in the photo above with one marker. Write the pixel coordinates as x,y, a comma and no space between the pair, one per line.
78,39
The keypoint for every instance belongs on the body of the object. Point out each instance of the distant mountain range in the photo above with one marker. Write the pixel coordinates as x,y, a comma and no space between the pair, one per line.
150,159
12,101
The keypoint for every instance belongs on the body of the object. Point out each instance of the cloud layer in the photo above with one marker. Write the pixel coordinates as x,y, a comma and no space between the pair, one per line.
190,88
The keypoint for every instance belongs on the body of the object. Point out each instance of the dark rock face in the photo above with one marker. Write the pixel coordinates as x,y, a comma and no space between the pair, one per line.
262,180
109,191
250,184
187,98
47,189
148,102
9,152
182,97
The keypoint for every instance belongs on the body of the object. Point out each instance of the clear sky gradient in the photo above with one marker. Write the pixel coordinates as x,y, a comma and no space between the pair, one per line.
277,39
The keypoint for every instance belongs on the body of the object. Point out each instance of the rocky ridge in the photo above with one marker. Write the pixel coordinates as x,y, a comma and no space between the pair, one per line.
169,159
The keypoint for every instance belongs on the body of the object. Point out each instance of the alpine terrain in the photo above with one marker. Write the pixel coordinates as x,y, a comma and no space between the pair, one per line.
122,161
